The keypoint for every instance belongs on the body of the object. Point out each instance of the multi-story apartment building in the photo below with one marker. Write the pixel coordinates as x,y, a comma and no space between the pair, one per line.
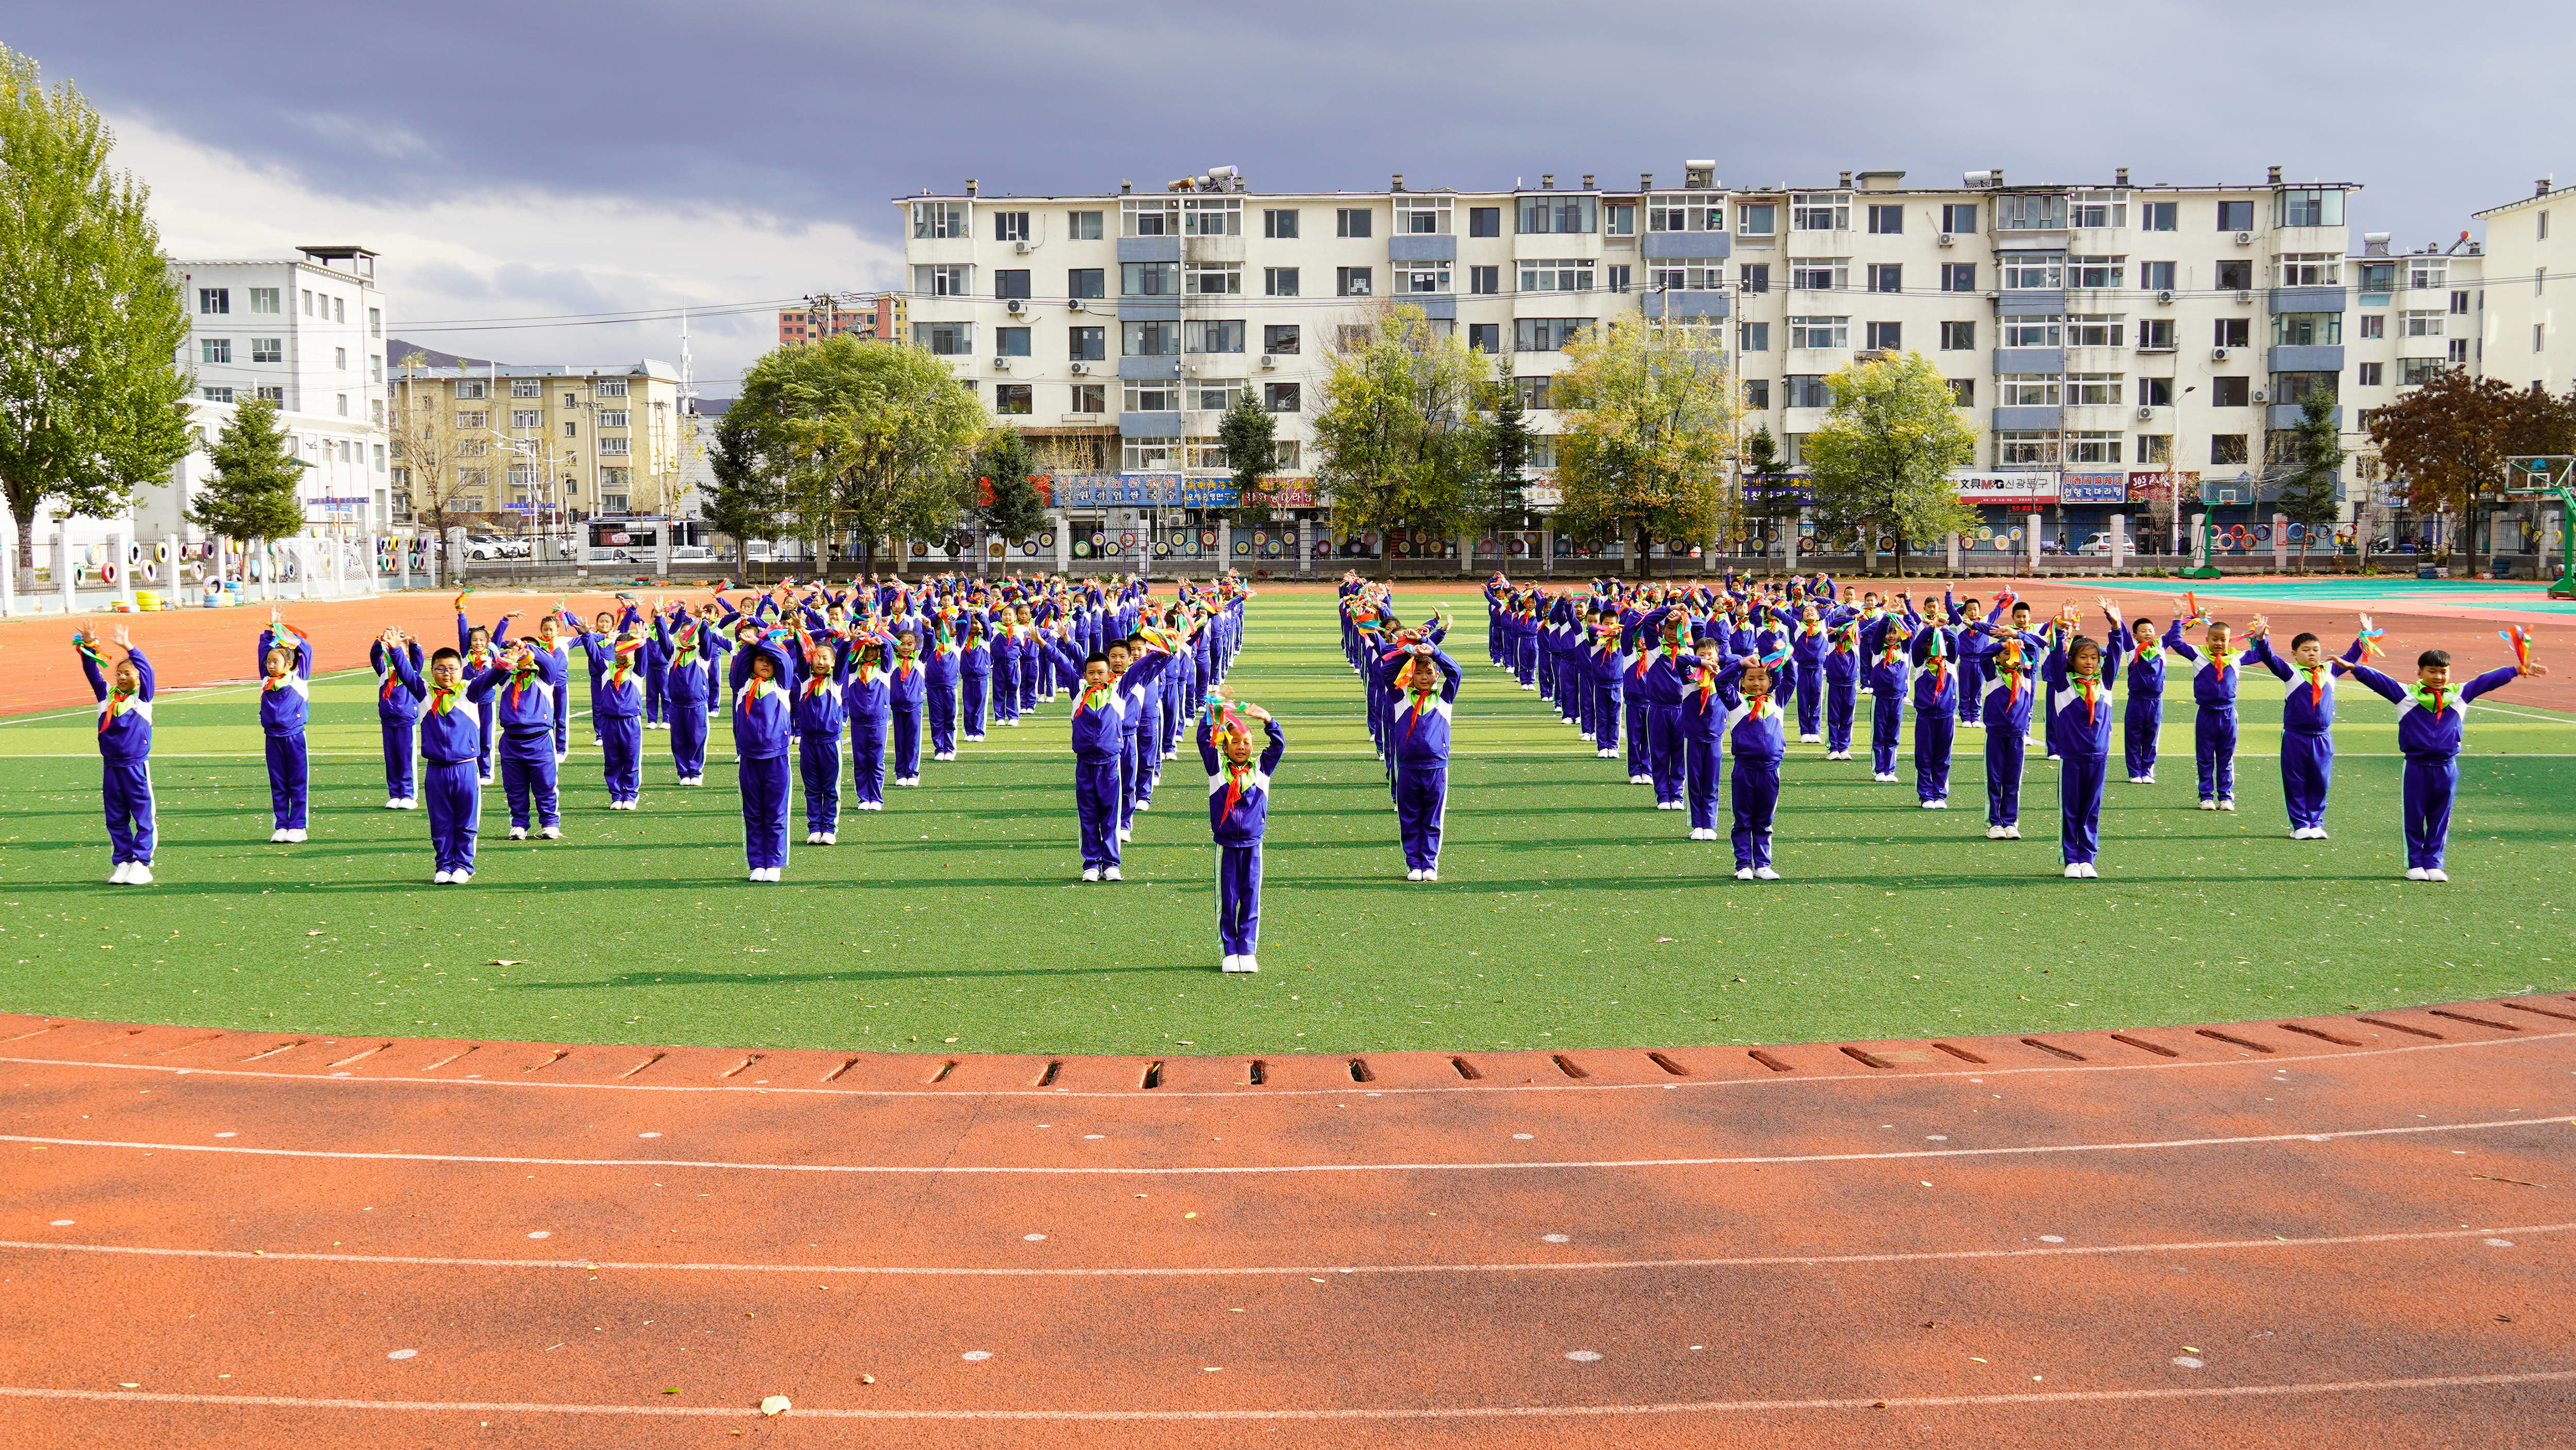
533,446
2124,348
307,333
880,317
2526,265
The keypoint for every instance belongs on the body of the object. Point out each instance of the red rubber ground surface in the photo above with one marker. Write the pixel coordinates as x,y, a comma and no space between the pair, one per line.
2338,1231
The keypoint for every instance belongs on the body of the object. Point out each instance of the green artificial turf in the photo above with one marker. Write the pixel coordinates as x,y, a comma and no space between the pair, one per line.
1569,912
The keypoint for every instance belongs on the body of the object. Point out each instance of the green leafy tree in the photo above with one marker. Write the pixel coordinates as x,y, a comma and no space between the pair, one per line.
1010,505
92,399
1398,436
1494,497
1251,439
1648,416
256,491
2316,452
742,506
1882,458
870,437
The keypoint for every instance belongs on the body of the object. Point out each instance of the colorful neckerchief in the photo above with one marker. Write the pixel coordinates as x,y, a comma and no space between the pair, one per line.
443,698
1421,702
2435,699
1093,697
621,662
120,699
2149,652
519,679
1236,773
1846,639
2316,680
282,681
2089,689
757,689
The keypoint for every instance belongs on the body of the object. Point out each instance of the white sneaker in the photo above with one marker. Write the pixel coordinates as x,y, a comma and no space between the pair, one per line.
1413,873
2012,833
2092,872
393,803
831,838
2052,757
138,873
1111,874
487,780
277,835
1743,873
2209,805
1994,833
2414,873
874,806
2317,833
1090,873
1247,964
460,878
1887,777
1607,754
441,878
1226,963
410,803
1935,805
295,834
2074,870
908,780
2147,779
117,876
518,833
1431,875
1811,739
552,833
2227,803
1144,805
1765,873
813,838
2436,873
756,875
1125,835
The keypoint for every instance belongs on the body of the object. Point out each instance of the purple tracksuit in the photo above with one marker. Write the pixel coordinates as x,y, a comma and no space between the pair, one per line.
617,714
684,693
1238,813
396,709
2429,728
2213,727
2143,716
907,695
451,748
125,760
762,721
2084,757
1099,747
2307,726
1417,731
1698,711
867,696
525,710
1937,682
1885,674
820,712
285,702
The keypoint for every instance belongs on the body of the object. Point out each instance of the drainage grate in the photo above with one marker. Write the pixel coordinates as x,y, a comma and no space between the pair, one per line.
1466,1069
1767,1060
1866,1059
1153,1077
1047,1078
1568,1068
2214,1035
1961,1053
1258,1073
2401,1027
1667,1064
2465,1017
2052,1050
2536,1011
2321,1036
2143,1045
1360,1071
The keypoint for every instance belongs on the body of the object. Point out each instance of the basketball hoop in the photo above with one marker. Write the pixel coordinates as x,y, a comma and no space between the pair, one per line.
2550,476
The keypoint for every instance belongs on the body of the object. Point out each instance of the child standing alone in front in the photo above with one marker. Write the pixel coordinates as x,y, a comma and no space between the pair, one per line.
1238,815
2432,717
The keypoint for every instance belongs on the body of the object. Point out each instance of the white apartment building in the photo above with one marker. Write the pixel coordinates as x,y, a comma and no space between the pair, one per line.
308,333
2525,266
2118,338
523,447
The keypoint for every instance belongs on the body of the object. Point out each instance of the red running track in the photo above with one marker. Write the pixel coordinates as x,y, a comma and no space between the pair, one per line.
2325,1232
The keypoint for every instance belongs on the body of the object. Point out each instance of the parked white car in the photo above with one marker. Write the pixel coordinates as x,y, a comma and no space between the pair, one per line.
691,554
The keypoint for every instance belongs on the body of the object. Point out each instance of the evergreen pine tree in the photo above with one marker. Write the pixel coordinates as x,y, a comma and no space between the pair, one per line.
2316,451
1010,506
256,489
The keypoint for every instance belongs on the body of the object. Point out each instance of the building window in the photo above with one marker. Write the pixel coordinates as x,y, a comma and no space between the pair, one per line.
1958,276
2027,390
2310,269
2030,212
2093,330
2236,216
1570,275
216,393
2100,210
2155,334
947,339
2155,276
2094,389
1558,214
1533,393
1149,216
2325,329
215,349
2097,273
1212,216
263,299
475,421
2093,447
1279,281
1680,278
1010,342
945,280
214,301
2539,336
1753,337
1016,398
344,406
2232,332
615,447
1283,453
1010,226
527,388
267,349
1819,211
2158,216
1757,393
2308,207
2414,370
1959,217
1212,335
1091,397
1619,277
1150,339
1149,455
1819,274
1963,392
2425,323
613,418
2235,392
1753,277
1485,337
2155,392
2373,375
2156,448
2034,271
375,368
340,359
1547,334
1421,216
1149,279
307,295
1886,336
1352,281
938,219
527,418
2460,350
2459,304
275,395
1156,395
1806,390
1886,221
1886,276
2227,447
1282,397
2032,330
1082,226
1087,344
1279,337
1819,332
571,430
1421,278
1010,282
1958,336
2025,448
1352,221
1619,219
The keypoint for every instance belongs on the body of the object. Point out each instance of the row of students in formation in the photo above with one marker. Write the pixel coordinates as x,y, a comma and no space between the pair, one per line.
799,666
1687,667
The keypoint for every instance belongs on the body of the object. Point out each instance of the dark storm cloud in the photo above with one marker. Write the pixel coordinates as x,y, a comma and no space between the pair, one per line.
826,111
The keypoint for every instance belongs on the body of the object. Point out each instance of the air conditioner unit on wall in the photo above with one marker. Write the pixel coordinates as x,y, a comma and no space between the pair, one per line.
2244,296
2262,395
2165,298
2145,412
1016,306
1080,368
1269,360
2218,354
1001,364
2244,239
1021,247
1948,240
1075,304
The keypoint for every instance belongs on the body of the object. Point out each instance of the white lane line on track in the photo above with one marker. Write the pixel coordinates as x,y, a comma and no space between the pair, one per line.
1213,1169
1372,1089
1436,1412
1600,1266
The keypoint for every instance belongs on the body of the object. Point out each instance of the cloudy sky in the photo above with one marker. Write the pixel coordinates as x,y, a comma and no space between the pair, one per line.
520,164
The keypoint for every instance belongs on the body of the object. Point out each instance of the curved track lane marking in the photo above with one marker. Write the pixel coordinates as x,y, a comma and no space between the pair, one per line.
1703,1407
1201,1170
1361,1089
1605,1265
